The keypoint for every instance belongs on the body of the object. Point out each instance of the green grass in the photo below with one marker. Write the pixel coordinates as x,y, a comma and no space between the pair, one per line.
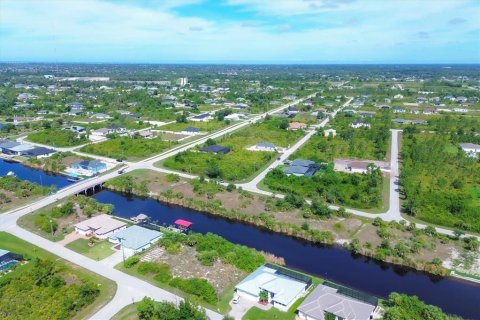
256,313
128,148
99,251
209,126
29,251
57,138
467,275
127,313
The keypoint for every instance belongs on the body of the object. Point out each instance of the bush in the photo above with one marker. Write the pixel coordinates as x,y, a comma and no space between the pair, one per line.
231,187
198,287
163,275
148,267
130,262
207,258
295,200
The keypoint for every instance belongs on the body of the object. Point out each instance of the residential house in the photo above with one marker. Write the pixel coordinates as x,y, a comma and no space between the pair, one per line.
38,152
100,226
146,134
263,146
205,117
418,121
8,260
6,145
191,131
135,239
342,303
399,121
20,149
296,126
399,110
92,166
398,96
300,167
360,124
235,117
282,289
429,111
240,106
329,132
471,149
101,116
215,149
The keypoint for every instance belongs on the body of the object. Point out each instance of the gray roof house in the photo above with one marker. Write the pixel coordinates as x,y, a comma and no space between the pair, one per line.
326,299
300,167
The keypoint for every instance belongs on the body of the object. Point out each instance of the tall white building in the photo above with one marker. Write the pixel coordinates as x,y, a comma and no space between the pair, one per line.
182,82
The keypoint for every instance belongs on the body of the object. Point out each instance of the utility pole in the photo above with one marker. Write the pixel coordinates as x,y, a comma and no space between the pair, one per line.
123,250
51,226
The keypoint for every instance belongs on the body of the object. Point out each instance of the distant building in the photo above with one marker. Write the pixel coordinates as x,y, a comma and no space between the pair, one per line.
263,146
296,126
300,167
8,260
360,124
471,149
94,166
330,132
205,117
190,131
182,82
38,152
216,149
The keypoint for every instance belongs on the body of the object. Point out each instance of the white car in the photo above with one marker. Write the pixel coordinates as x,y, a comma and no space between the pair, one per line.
235,299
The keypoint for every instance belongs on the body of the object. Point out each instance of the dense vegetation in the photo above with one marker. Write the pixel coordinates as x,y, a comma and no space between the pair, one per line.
353,190
128,148
43,293
20,189
58,138
403,307
440,183
148,309
239,163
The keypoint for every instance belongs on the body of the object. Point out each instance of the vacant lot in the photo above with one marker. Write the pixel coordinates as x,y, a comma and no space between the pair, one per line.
209,126
15,192
128,148
57,138
239,164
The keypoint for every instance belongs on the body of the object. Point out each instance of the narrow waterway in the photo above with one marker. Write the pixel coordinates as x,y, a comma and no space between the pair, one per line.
333,263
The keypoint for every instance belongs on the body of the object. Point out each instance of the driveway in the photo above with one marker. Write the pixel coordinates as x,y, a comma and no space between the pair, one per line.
243,305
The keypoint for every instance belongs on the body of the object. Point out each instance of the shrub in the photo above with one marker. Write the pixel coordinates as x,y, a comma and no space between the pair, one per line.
198,287
207,258
163,275
148,267
130,262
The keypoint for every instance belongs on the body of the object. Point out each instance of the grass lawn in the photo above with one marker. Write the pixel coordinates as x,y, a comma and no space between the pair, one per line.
127,313
128,148
208,126
256,313
57,138
99,251
29,251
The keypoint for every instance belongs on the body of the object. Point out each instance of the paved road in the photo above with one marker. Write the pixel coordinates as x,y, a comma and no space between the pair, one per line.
252,185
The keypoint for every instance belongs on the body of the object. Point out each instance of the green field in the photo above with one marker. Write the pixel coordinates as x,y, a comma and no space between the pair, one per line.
100,250
72,272
239,164
209,126
57,138
133,149
256,313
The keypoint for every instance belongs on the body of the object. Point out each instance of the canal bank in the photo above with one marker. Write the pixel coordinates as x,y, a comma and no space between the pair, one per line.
333,263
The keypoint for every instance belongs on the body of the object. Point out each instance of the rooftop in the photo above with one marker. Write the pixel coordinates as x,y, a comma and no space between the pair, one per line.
101,224
136,237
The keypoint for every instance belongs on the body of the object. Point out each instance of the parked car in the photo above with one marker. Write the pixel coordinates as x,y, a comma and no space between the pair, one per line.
121,171
119,160
236,298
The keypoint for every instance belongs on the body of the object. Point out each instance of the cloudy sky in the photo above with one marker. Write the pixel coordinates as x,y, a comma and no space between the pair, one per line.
241,31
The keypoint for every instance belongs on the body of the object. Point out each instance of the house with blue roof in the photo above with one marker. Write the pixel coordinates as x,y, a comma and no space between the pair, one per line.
300,168
135,239
216,149
205,117
94,166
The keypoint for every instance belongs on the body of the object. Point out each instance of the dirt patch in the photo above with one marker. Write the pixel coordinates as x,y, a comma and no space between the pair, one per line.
185,265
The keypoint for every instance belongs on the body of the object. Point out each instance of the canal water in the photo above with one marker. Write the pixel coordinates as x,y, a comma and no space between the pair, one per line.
38,176
329,262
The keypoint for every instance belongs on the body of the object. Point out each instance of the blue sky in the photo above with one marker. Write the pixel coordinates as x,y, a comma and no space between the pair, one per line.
241,31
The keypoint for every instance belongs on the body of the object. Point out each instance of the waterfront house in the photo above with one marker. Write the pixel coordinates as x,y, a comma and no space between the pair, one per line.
100,226
190,131
342,303
283,287
93,166
135,239
38,152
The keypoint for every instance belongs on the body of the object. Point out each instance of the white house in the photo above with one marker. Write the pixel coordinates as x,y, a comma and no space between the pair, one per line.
263,146
205,117
471,149
235,117
135,239
282,290
191,131
398,96
329,132
360,124
100,226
